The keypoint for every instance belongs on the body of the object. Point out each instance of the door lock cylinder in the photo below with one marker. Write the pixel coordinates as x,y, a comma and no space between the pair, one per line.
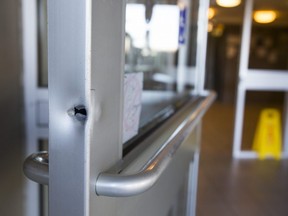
78,112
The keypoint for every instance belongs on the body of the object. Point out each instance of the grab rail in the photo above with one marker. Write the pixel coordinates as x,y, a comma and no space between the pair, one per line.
123,185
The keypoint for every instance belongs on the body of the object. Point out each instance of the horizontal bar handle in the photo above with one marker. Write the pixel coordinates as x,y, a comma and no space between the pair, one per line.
123,185
36,167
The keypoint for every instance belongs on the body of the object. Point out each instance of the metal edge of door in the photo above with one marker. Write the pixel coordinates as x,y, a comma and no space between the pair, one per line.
86,62
67,34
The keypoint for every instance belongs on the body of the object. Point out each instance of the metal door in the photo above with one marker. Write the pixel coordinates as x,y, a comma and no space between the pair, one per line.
89,171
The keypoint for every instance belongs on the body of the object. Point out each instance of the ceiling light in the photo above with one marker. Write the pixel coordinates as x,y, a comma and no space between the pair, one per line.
211,13
228,3
264,17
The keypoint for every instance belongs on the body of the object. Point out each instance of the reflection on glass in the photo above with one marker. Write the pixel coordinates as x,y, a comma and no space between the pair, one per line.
269,38
156,60
152,43
268,48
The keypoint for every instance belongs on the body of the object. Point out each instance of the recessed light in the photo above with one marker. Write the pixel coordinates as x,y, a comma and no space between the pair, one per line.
265,16
211,13
228,3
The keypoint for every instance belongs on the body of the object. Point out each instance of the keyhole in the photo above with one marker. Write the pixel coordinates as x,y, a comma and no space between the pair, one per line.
78,112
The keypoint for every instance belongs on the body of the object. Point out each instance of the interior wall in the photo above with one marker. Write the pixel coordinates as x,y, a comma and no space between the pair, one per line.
10,74
11,109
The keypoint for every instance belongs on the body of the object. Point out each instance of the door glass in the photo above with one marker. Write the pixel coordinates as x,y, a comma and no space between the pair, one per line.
42,43
152,43
269,37
193,29
157,67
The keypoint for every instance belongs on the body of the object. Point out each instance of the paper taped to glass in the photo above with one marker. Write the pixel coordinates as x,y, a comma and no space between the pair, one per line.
133,86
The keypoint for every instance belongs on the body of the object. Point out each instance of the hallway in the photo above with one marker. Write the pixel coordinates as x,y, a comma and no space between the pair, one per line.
230,187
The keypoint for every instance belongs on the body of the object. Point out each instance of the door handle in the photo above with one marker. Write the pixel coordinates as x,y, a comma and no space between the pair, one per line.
36,166
123,185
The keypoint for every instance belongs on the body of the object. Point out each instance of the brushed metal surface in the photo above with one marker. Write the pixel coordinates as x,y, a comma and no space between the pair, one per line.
67,56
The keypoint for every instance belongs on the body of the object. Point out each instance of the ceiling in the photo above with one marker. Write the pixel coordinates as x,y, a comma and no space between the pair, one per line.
235,15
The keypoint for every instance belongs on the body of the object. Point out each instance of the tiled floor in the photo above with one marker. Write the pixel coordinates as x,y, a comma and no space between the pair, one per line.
230,187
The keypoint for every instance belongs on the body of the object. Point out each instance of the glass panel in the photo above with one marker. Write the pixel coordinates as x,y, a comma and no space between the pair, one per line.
152,43
157,72
193,34
269,41
42,44
255,103
43,189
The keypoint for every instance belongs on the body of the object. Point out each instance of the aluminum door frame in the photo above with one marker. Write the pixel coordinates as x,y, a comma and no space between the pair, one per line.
202,35
86,61
34,99
255,80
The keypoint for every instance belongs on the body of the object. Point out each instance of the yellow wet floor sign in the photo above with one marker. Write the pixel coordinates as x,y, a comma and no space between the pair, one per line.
268,138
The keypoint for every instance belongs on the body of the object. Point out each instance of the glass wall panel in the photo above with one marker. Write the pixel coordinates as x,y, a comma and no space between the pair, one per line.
269,36
193,27
255,103
160,51
152,30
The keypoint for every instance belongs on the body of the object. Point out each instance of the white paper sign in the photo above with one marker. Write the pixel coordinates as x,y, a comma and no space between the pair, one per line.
133,86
